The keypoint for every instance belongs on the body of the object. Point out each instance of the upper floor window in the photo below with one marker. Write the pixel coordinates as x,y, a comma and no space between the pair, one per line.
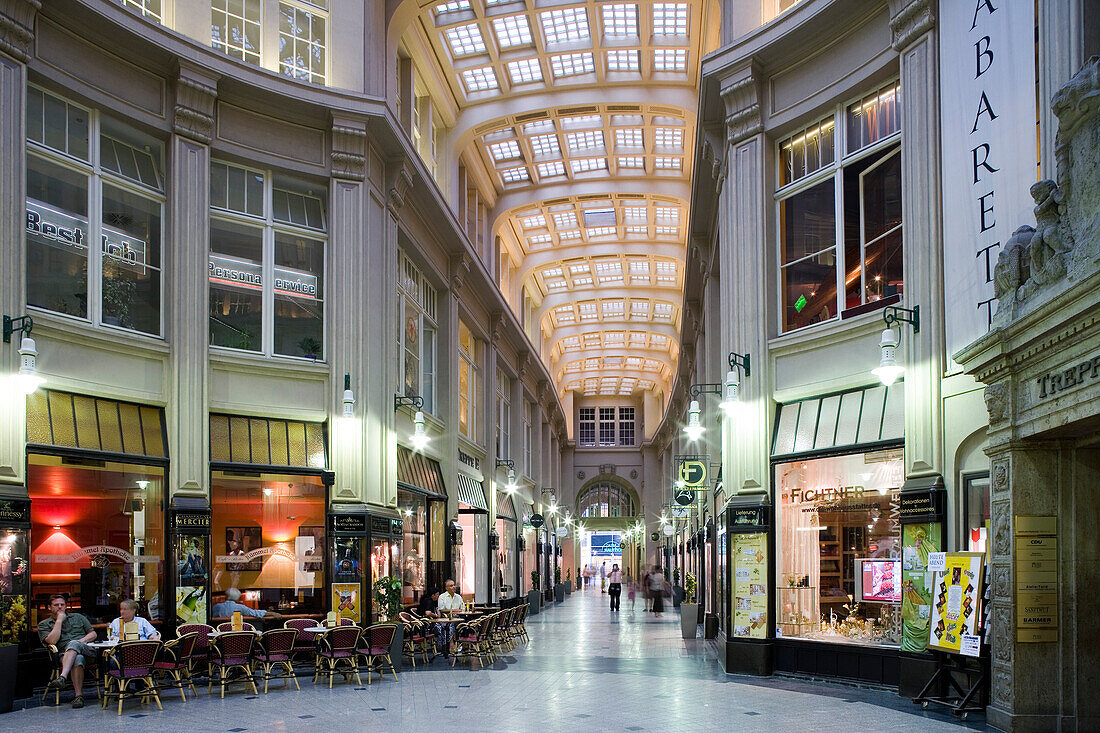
235,28
148,8
417,335
504,415
586,426
469,381
528,420
78,193
266,262
615,426
840,226
605,500
302,51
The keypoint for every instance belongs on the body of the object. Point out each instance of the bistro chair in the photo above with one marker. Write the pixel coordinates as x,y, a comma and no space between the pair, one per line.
521,623
275,651
174,663
232,650
375,649
228,626
419,634
131,662
336,649
91,671
473,639
202,644
500,630
305,643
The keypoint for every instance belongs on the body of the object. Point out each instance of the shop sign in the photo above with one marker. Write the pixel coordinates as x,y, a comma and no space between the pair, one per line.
1062,379
679,512
684,497
537,520
692,472
99,554
380,525
754,517
825,494
397,526
60,228
349,523
15,511
922,506
1036,560
191,521
260,553
225,270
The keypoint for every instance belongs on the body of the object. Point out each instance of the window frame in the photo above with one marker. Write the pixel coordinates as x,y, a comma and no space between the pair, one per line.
427,322
472,363
504,415
528,437
583,423
245,21
96,176
270,228
314,9
842,159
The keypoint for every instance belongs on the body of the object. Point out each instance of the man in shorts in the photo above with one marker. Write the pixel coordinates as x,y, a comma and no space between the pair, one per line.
70,633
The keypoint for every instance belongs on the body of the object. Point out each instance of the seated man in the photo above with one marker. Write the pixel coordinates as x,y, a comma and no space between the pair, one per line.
231,604
448,604
70,633
428,603
127,612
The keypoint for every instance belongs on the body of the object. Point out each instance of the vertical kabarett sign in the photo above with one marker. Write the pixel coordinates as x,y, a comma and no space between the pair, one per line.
987,109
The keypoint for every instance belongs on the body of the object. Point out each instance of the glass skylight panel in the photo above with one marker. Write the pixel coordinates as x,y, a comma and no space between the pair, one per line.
645,384
628,137
552,272
599,217
615,337
670,19
658,340
639,267
620,20
525,71
565,219
591,339
566,24
572,64
665,267
587,311
564,314
632,161
585,140
540,239
651,365
515,175
533,128
639,309
669,137
556,285
545,145
584,165
668,230
636,229
668,163
667,215
623,60
579,121
480,80
465,40
662,310
581,268
627,120
600,231
551,169
582,280
512,30
670,59
573,366
634,362
569,234
533,222
571,342
612,308
453,6
637,338
635,213
508,150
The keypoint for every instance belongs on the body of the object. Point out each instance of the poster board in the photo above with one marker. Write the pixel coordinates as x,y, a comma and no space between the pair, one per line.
957,597
750,584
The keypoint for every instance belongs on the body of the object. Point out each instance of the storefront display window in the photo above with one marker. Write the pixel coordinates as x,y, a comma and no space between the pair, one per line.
268,537
347,578
414,544
472,581
839,548
976,492
97,536
506,558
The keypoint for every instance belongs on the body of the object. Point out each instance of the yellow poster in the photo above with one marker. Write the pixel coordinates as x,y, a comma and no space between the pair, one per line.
956,607
750,585
345,601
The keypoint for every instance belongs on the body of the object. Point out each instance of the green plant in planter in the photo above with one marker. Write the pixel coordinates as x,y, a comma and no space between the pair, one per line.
118,296
569,576
689,588
535,580
557,575
311,347
387,594
676,576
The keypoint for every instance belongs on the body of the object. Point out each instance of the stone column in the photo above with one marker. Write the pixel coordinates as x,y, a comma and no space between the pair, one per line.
347,351
186,300
743,217
16,35
912,23
1061,49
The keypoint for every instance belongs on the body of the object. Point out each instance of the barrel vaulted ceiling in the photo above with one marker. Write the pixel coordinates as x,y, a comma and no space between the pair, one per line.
581,114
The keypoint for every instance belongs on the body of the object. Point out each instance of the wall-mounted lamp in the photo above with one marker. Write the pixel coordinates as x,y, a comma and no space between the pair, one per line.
143,484
419,437
349,397
511,485
888,369
27,379
694,429
729,390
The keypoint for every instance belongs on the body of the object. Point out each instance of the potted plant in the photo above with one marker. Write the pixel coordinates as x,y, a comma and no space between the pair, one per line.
677,589
689,610
387,597
569,582
533,594
559,587
580,579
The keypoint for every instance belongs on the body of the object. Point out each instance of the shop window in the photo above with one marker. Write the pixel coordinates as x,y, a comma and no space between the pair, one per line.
302,51
469,382
976,508
838,569
417,303
97,536
119,281
506,558
586,426
267,263
235,28
268,540
840,224
414,544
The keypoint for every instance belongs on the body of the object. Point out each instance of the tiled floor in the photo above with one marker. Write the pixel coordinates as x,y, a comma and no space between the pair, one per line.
584,669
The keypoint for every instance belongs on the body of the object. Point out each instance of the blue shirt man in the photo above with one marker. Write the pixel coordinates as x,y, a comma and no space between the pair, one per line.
231,604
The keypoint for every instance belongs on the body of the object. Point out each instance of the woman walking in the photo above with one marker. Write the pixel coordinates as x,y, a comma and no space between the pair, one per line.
615,586
657,590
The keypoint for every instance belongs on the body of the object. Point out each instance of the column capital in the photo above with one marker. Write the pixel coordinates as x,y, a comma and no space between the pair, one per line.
17,28
459,269
909,20
399,176
196,95
349,149
740,94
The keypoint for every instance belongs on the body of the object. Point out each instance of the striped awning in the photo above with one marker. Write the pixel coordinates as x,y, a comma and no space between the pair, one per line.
505,507
470,492
419,472
267,442
66,420
861,417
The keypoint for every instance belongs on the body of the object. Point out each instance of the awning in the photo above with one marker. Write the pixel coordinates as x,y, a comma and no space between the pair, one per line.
505,507
419,472
470,492
66,420
267,442
861,417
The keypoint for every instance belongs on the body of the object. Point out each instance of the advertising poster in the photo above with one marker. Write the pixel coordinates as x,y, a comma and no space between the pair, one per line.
750,585
956,605
345,601
917,541
190,604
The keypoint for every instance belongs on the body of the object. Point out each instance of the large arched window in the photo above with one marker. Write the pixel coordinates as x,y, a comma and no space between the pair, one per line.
605,500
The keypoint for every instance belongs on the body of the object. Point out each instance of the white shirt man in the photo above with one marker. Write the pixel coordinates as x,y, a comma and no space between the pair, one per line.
450,601
127,612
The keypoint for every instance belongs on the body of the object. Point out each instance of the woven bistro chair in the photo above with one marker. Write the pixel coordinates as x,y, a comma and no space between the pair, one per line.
335,649
202,644
305,642
374,647
473,640
419,635
91,671
501,641
131,662
228,626
521,623
513,625
275,651
174,663
232,650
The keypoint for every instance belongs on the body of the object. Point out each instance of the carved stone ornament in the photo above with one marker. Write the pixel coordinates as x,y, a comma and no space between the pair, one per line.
459,269
1002,529
996,402
1000,477
911,22
496,327
17,28
1002,687
1002,635
580,475
634,473
1001,582
196,95
349,152
742,101
399,177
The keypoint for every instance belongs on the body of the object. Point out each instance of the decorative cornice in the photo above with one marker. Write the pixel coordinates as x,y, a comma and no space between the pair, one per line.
743,107
524,365
496,326
459,269
349,150
399,178
17,28
910,23
196,95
